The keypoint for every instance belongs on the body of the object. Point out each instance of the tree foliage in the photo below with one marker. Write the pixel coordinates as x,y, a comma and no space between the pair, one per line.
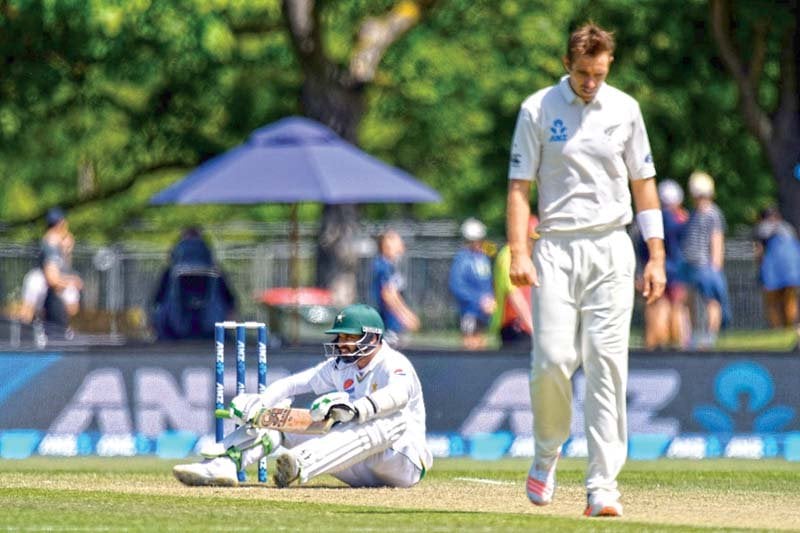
104,102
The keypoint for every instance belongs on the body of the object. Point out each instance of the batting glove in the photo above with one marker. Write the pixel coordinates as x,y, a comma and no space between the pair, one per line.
334,405
246,406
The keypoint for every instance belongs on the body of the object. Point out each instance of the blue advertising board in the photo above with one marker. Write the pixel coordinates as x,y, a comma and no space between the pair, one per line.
153,400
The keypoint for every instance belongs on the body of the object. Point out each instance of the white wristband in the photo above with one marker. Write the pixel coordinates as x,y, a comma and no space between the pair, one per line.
651,224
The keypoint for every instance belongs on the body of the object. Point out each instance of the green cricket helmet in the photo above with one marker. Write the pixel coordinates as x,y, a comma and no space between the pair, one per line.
356,319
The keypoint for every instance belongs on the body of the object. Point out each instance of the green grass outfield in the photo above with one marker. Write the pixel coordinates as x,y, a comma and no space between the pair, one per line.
759,340
139,494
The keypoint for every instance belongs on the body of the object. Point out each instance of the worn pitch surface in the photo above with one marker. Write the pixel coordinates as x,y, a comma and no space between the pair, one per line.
140,494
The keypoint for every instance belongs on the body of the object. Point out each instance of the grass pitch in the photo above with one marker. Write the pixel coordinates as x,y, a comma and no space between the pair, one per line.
139,494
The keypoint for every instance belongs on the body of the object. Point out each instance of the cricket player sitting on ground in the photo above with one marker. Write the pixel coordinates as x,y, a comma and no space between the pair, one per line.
373,393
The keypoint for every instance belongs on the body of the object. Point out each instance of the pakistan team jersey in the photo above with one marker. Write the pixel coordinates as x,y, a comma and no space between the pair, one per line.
388,367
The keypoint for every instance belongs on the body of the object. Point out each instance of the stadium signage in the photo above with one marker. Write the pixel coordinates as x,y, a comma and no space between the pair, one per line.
123,403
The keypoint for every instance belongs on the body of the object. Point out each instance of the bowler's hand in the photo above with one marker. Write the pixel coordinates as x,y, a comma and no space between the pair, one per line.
522,271
654,280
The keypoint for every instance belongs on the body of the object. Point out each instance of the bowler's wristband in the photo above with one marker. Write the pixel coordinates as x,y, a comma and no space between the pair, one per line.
651,224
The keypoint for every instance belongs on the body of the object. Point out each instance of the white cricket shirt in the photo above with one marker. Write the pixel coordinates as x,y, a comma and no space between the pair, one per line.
387,367
581,156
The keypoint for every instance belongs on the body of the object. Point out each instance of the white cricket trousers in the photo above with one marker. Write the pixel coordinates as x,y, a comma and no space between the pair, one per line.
581,315
387,468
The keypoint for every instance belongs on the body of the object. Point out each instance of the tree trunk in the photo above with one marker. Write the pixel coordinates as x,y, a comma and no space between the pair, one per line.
334,95
341,109
337,260
777,131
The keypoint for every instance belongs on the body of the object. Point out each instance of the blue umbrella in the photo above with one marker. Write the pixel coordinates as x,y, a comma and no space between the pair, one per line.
296,160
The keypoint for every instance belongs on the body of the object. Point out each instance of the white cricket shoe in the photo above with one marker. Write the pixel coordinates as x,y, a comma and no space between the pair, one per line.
218,472
541,484
602,505
286,470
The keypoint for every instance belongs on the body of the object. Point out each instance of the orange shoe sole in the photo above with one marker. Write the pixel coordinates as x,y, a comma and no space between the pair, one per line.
605,511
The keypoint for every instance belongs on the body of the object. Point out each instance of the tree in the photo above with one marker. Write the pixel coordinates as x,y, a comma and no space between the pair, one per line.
767,83
99,97
334,93
103,103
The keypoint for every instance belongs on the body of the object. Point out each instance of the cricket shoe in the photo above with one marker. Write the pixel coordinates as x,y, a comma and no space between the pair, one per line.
286,470
602,505
541,484
218,472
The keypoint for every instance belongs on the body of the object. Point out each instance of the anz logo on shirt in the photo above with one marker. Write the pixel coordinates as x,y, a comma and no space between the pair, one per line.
559,131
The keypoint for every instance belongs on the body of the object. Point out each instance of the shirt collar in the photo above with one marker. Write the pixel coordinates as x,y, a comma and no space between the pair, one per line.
570,97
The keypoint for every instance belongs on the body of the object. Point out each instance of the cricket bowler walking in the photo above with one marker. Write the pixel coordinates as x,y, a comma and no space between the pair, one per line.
582,142
369,388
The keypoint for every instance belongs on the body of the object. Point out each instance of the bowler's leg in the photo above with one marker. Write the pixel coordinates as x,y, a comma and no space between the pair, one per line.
606,317
554,355
554,360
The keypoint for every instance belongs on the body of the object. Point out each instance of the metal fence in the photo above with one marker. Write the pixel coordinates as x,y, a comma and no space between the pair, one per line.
121,280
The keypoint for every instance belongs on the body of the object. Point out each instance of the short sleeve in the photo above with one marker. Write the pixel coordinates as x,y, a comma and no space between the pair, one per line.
638,156
381,273
51,254
525,148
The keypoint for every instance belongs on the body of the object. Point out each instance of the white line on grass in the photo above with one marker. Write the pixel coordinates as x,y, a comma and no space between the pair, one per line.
484,481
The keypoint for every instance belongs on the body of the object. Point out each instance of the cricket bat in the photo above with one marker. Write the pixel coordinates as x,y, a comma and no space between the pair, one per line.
285,419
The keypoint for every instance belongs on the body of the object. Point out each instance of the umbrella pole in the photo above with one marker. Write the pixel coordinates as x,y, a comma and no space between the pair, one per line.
294,272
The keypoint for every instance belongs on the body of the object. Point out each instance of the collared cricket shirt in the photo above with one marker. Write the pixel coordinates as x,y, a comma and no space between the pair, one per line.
581,157
388,367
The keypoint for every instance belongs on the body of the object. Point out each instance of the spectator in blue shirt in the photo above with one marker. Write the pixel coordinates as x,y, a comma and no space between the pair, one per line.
388,285
778,254
471,284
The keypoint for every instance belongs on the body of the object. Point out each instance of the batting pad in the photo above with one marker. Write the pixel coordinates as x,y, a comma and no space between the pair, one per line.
248,440
346,446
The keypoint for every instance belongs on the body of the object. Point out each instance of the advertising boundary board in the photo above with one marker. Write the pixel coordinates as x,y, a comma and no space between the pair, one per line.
159,400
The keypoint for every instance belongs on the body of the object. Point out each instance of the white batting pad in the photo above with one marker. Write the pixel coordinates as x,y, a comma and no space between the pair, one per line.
346,446
247,439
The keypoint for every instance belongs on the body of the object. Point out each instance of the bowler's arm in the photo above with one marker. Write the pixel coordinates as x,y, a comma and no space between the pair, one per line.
654,278
518,210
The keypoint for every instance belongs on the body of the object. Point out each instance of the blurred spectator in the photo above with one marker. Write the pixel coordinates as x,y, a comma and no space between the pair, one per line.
513,315
703,248
388,285
51,291
667,322
34,292
193,293
471,284
778,254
